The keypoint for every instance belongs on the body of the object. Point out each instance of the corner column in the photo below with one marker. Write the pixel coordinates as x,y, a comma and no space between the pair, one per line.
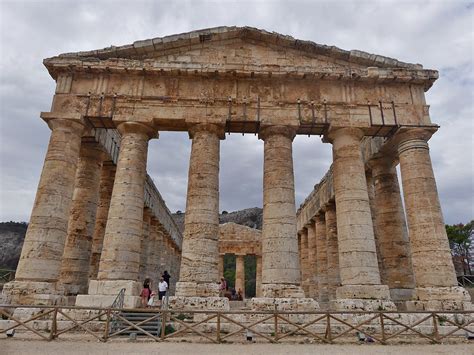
392,235
120,259
359,272
40,261
304,261
105,194
435,277
77,251
199,275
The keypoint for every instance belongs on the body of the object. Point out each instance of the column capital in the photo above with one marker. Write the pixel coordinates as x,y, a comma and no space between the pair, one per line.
320,217
330,205
137,127
64,123
213,128
413,138
381,163
337,132
287,131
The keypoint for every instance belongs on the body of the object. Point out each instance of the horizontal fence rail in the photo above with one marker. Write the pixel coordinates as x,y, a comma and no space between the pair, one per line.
221,326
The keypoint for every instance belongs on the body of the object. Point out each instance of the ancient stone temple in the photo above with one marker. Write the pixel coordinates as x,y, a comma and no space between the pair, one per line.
99,225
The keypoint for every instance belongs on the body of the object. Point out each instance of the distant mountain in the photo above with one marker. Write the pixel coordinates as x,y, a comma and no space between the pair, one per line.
12,235
250,217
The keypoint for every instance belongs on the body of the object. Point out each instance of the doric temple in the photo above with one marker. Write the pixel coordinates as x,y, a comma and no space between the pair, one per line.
99,225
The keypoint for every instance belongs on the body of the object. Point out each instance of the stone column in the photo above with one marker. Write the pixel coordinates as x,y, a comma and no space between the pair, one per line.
40,261
77,251
120,259
312,261
358,265
371,192
154,255
199,275
436,285
240,274
281,272
322,258
304,261
145,245
220,266
258,277
105,193
333,279
392,235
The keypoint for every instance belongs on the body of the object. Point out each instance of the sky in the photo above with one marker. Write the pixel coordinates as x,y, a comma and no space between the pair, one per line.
437,34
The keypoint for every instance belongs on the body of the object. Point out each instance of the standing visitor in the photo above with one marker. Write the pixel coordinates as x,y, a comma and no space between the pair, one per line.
146,293
162,287
222,287
166,277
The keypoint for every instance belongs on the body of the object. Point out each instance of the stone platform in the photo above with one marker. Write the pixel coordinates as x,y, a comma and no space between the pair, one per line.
102,293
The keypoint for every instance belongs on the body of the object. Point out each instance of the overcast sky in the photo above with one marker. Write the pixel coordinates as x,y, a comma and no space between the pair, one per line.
437,34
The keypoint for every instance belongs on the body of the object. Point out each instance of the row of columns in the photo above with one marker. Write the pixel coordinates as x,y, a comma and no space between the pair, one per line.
360,247
240,273
88,222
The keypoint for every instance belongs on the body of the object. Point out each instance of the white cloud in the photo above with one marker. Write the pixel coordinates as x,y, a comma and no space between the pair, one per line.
438,34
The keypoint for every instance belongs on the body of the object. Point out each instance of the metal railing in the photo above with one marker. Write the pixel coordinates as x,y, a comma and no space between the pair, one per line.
272,326
6,275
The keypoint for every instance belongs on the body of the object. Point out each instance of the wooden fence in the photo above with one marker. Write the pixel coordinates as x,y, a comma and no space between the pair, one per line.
215,326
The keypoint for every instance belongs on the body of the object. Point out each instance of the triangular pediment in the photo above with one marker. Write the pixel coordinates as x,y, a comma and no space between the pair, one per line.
228,46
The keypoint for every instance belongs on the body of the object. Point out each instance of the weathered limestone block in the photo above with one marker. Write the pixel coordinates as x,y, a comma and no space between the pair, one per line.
392,235
358,264
279,238
77,251
105,194
333,279
432,262
200,250
198,303
322,259
240,274
283,304
42,251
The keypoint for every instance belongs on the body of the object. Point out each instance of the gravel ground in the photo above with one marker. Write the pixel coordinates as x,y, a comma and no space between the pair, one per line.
13,346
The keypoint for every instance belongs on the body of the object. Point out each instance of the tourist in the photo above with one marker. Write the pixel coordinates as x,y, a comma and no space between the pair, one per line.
222,287
166,277
162,287
146,293
240,296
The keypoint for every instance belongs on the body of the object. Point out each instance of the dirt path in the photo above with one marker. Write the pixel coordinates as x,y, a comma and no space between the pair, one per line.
26,347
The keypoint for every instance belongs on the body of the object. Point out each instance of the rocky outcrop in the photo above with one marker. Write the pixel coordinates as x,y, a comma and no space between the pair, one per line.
250,217
12,235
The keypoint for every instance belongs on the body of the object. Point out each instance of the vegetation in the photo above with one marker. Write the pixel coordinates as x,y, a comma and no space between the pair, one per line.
250,273
460,238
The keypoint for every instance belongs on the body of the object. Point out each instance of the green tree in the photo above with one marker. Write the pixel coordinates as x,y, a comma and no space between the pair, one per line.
460,239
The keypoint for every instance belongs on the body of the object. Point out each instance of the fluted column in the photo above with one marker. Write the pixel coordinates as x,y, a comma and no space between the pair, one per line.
358,264
392,235
40,261
433,267
145,243
77,251
240,274
120,259
322,258
258,276
153,265
105,194
199,274
220,266
312,261
333,279
281,273
304,261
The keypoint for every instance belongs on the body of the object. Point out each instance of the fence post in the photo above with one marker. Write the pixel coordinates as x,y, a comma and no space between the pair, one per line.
54,325
276,323
218,327
435,328
328,327
163,324
107,326
382,327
